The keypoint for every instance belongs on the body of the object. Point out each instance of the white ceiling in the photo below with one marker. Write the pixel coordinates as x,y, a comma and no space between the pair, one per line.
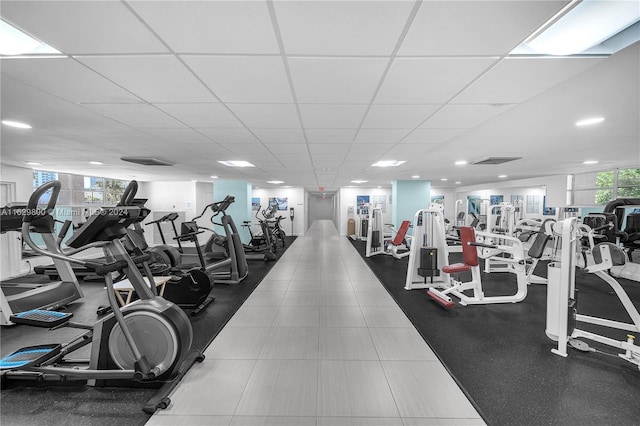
311,92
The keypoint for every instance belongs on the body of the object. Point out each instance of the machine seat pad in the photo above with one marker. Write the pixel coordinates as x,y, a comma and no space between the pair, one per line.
456,267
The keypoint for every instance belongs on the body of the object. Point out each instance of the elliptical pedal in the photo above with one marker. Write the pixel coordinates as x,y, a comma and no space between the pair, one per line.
30,356
41,318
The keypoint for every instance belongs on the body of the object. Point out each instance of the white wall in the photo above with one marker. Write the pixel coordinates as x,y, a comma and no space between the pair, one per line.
22,177
295,198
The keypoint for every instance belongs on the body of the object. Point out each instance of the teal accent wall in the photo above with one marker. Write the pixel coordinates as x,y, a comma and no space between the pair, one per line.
240,210
409,196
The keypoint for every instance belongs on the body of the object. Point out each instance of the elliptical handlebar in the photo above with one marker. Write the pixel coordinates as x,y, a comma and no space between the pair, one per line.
32,212
129,194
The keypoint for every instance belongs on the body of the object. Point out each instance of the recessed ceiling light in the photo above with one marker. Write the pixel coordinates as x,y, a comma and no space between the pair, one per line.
387,163
96,163
213,177
502,176
275,182
415,177
587,162
34,163
236,163
590,121
359,181
16,124
460,163
458,183
15,42
444,179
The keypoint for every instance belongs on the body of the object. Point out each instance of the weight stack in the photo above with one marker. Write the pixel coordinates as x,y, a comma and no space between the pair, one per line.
375,239
428,262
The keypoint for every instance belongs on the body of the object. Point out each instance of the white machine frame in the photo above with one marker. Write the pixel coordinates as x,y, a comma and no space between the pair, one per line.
561,291
430,233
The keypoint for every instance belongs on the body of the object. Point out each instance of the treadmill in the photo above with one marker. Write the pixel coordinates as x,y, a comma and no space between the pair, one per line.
16,296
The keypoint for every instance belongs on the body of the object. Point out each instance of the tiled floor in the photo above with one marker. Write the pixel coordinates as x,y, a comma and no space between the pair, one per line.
319,342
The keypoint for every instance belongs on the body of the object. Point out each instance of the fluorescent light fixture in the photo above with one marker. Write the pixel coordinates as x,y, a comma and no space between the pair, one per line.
502,176
589,162
34,163
213,177
276,182
236,163
387,163
359,181
458,183
460,163
96,163
590,121
16,124
415,177
444,179
14,42
585,25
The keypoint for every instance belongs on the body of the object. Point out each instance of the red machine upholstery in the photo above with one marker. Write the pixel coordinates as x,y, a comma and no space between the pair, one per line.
469,252
402,232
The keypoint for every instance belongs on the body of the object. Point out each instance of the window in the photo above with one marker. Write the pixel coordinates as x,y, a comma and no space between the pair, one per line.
599,188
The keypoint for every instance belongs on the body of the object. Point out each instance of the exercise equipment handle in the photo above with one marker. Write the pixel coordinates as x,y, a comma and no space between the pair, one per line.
32,205
129,194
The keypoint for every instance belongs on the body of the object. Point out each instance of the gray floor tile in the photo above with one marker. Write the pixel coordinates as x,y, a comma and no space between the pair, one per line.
375,298
291,343
346,344
354,389
341,316
237,343
396,343
254,316
265,298
272,421
425,389
385,316
281,388
359,421
297,316
161,419
338,298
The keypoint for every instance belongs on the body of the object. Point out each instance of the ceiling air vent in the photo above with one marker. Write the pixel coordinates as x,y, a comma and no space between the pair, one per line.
496,160
147,161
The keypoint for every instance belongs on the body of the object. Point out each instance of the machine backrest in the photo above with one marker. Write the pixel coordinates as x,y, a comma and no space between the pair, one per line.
402,233
469,252
542,238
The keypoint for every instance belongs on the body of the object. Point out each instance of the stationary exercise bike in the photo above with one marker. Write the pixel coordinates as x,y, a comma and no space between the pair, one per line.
147,341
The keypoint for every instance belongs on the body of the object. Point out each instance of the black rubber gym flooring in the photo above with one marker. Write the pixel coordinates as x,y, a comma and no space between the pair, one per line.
501,357
28,403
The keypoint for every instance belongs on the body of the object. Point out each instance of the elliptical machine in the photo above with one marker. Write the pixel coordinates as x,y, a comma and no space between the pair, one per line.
231,270
146,341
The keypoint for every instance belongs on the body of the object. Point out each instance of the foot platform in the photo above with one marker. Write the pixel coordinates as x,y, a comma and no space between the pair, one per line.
30,356
41,318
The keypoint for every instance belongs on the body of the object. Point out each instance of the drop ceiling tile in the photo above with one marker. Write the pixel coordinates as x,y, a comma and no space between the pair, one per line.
227,137
136,115
180,136
397,116
375,149
287,148
331,136
213,115
250,79
464,116
268,116
429,80
66,79
341,28
153,78
374,136
336,80
431,136
332,116
333,148
66,26
250,151
477,28
210,26
274,136
515,80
